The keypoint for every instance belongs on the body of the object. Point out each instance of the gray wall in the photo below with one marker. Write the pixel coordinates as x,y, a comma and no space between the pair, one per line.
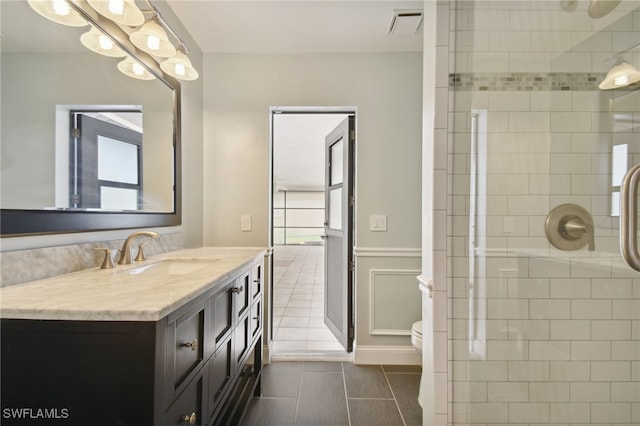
386,88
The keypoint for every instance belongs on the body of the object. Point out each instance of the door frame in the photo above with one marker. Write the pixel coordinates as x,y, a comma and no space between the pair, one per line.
273,110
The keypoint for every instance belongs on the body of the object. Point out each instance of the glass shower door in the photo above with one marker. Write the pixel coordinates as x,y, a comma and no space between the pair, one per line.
545,312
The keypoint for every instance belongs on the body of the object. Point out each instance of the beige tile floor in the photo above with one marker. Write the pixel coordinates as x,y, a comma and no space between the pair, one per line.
298,300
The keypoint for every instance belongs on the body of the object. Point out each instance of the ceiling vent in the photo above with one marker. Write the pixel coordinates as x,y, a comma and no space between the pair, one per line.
405,22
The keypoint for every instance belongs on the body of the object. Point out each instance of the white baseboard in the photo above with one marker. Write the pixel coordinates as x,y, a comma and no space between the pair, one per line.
266,354
388,355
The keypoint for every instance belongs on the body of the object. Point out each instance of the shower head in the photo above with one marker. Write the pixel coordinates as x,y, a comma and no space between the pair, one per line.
600,8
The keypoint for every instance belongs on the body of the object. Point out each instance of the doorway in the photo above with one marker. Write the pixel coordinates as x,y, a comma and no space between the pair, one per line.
300,324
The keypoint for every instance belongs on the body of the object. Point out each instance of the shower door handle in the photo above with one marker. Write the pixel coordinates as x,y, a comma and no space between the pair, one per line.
629,217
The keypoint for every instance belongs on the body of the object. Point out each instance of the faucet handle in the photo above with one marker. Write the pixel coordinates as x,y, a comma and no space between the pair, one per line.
140,256
107,263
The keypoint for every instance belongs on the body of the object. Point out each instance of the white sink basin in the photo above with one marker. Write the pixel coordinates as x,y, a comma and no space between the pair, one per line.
172,267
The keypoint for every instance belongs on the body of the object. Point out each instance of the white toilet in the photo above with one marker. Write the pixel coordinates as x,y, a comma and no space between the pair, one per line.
416,336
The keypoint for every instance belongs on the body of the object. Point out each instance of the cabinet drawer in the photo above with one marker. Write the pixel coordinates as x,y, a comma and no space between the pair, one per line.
256,280
187,408
242,291
185,345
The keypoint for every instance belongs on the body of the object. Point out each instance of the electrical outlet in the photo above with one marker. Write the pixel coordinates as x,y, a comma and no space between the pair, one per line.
245,223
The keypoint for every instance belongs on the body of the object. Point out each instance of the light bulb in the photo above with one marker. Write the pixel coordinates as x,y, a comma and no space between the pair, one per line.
621,80
116,7
153,42
60,7
138,69
179,66
105,42
133,68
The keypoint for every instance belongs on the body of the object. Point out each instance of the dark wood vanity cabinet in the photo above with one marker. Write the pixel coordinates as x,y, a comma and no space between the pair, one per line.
198,365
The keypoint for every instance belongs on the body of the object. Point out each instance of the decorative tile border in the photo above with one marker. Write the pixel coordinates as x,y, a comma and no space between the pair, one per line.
571,81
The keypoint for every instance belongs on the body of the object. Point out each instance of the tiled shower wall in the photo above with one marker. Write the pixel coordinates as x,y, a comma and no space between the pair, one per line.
557,333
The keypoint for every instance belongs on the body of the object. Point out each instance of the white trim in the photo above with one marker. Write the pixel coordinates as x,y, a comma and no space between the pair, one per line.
387,252
388,355
372,314
424,282
313,109
266,354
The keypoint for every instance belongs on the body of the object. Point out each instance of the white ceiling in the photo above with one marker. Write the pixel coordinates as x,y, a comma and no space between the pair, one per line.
293,26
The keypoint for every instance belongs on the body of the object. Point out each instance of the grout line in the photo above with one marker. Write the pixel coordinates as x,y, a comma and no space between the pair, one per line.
295,415
394,395
346,396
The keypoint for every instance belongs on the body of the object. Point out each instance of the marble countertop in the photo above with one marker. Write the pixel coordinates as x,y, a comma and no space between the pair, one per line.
143,291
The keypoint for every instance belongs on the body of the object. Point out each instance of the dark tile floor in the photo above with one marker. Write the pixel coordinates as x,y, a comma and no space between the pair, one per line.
336,393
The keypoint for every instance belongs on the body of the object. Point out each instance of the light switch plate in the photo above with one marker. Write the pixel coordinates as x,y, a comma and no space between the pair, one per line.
245,223
378,223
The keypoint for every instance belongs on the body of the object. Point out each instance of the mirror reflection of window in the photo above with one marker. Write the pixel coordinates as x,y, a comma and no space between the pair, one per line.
107,160
118,165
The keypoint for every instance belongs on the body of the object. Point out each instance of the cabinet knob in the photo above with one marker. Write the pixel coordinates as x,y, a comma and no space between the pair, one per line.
191,419
192,344
237,289
256,281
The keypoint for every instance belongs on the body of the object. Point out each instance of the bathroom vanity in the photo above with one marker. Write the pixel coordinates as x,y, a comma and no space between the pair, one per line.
176,339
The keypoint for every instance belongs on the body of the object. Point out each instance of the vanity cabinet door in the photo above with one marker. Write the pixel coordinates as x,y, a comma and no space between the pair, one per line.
188,406
222,314
242,339
185,348
242,292
221,371
256,320
256,280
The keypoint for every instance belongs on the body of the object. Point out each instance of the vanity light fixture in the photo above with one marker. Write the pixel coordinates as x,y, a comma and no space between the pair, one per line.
58,11
98,42
179,65
621,75
133,68
152,39
123,12
121,19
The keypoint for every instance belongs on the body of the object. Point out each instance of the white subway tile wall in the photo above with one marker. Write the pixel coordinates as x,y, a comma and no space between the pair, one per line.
538,335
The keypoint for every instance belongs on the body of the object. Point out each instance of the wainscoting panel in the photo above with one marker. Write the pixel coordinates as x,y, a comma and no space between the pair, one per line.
395,301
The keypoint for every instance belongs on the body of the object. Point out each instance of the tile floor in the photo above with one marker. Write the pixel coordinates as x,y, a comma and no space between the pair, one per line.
298,305
336,393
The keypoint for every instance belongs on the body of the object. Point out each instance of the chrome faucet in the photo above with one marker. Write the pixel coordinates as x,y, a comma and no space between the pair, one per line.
125,253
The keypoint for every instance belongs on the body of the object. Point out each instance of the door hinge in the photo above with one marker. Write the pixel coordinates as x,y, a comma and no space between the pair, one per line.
75,133
351,333
353,135
352,201
352,265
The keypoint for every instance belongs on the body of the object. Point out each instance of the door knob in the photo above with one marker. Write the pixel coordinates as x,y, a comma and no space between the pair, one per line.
570,227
